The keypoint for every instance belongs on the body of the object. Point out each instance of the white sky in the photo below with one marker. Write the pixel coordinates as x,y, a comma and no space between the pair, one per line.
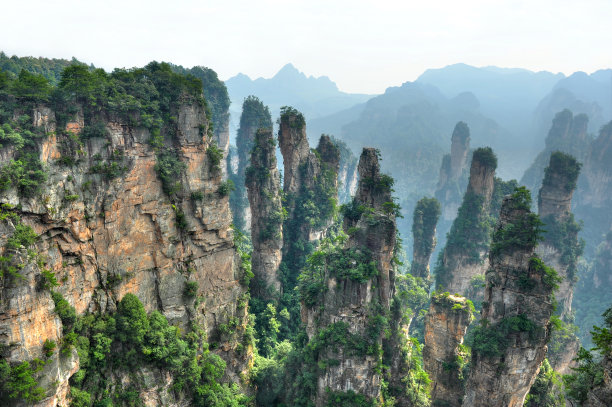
362,45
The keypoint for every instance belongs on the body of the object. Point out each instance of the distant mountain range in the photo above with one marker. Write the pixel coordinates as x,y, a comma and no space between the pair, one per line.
314,97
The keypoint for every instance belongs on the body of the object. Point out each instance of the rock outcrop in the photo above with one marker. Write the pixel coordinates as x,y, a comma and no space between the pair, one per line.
443,355
424,220
560,248
601,395
310,185
510,343
465,254
107,226
263,185
255,115
344,317
347,173
454,173
568,134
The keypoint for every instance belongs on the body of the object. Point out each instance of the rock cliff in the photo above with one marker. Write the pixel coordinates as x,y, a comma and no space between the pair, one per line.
444,356
263,184
510,344
465,255
115,214
425,218
310,185
568,134
346,293
454,173
560,248
255,115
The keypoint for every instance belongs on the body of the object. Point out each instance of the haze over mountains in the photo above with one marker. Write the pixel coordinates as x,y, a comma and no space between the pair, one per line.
314,97
509,109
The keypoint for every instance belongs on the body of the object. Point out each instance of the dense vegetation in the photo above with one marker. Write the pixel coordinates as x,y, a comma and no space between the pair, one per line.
425,218
589,373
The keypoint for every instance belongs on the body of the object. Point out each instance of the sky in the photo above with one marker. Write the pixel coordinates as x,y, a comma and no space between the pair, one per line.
364,46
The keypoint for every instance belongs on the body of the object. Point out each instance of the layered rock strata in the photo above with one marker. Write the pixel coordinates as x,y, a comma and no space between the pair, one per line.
510,343
443,355
424,220
104,234
465,254
263,185
353,297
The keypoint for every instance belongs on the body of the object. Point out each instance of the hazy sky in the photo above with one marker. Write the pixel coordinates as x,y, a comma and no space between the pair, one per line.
364,46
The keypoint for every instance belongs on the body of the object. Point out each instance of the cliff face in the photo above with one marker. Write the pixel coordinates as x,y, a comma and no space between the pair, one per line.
568,134
453,173
344,318
465,254
263,184
443,356
107,227
347,172
254,116
510,343
310,184
424,222
560,248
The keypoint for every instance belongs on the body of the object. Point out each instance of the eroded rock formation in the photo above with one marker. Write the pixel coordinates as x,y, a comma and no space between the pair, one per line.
310,185
255,115
355,284
510,343
425,218
443,355
568,134
560,247
465,254
454,173
263,184
107,226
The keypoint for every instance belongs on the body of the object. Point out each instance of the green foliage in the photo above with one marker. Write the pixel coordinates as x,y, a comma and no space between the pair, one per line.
191,289
215,155
587,375
132,322
27,174
331,258
424,220
63,309
566,166
292,117
548,274
115,166
563,235
348,399
169,169
546,390
525,233
137,340
226,187
492,340
31,87
486,157
49,347
23,235
18,382
602,337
